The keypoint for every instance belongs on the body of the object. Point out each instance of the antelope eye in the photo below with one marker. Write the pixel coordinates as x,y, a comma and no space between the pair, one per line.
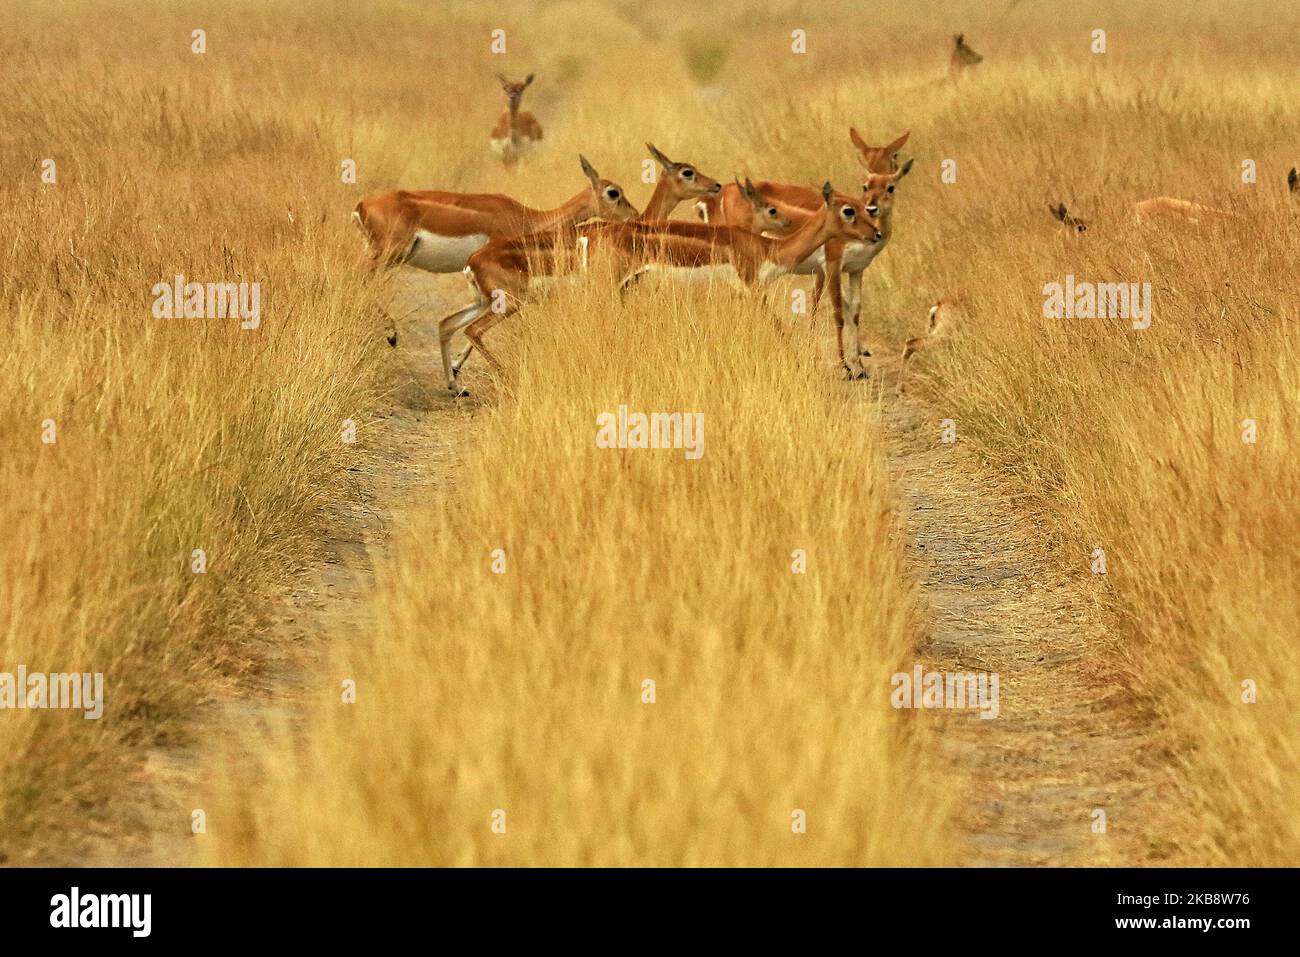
612,195
889,188
688,174
848,213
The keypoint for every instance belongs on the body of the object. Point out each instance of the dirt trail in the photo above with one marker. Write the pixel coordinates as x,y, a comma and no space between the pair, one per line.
414,441
1069,737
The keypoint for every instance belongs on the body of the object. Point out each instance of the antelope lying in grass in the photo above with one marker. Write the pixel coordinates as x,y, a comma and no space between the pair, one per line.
1167,207
516,131
836,258
943,316
503,270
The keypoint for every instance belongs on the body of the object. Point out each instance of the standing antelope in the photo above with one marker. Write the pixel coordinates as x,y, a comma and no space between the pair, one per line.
516,131
438,231
679,183
502,270
837,257
962,59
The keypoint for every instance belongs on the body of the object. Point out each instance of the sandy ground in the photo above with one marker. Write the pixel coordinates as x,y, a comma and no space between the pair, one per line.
1070,738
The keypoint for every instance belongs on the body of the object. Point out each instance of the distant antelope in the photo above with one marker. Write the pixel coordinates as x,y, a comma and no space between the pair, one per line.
963,57
1293,181
943,316
502,271
516,131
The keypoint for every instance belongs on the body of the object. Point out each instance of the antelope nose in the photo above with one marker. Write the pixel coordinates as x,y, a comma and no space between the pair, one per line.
716,189
879,235
873,209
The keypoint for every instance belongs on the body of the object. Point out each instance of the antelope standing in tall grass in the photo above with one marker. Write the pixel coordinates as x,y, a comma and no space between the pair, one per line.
962,58
845,261
438,231
502,271
516,131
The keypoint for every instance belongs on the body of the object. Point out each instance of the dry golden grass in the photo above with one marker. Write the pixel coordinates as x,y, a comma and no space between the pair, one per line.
522,691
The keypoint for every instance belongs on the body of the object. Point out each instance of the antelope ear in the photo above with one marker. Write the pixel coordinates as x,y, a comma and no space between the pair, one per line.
899,143
1058,211
1293,179
663,161
747,188
907,168
528,80
857,140
826,192
590,171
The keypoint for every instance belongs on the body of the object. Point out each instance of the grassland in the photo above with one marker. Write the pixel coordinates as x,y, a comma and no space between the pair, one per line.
523,691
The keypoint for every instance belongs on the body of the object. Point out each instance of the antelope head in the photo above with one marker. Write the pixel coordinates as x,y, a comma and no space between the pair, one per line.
878,191
767,218
684,179
608,201
515,91
849,218
962,55
1072,223
878,159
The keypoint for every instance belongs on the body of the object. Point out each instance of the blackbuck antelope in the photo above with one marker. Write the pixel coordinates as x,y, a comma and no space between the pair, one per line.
837,258
678,183
516,131
733,207
1158,207
501,272
944,315
437,231
962,58
1072,223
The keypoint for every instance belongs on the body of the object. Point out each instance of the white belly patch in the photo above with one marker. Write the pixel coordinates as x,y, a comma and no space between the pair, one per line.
435,253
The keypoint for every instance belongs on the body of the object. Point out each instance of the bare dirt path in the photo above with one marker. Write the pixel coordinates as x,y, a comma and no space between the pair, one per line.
1070,738
413,442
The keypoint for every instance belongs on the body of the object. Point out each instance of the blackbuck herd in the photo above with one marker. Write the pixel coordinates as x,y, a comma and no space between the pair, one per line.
746,233
749,234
